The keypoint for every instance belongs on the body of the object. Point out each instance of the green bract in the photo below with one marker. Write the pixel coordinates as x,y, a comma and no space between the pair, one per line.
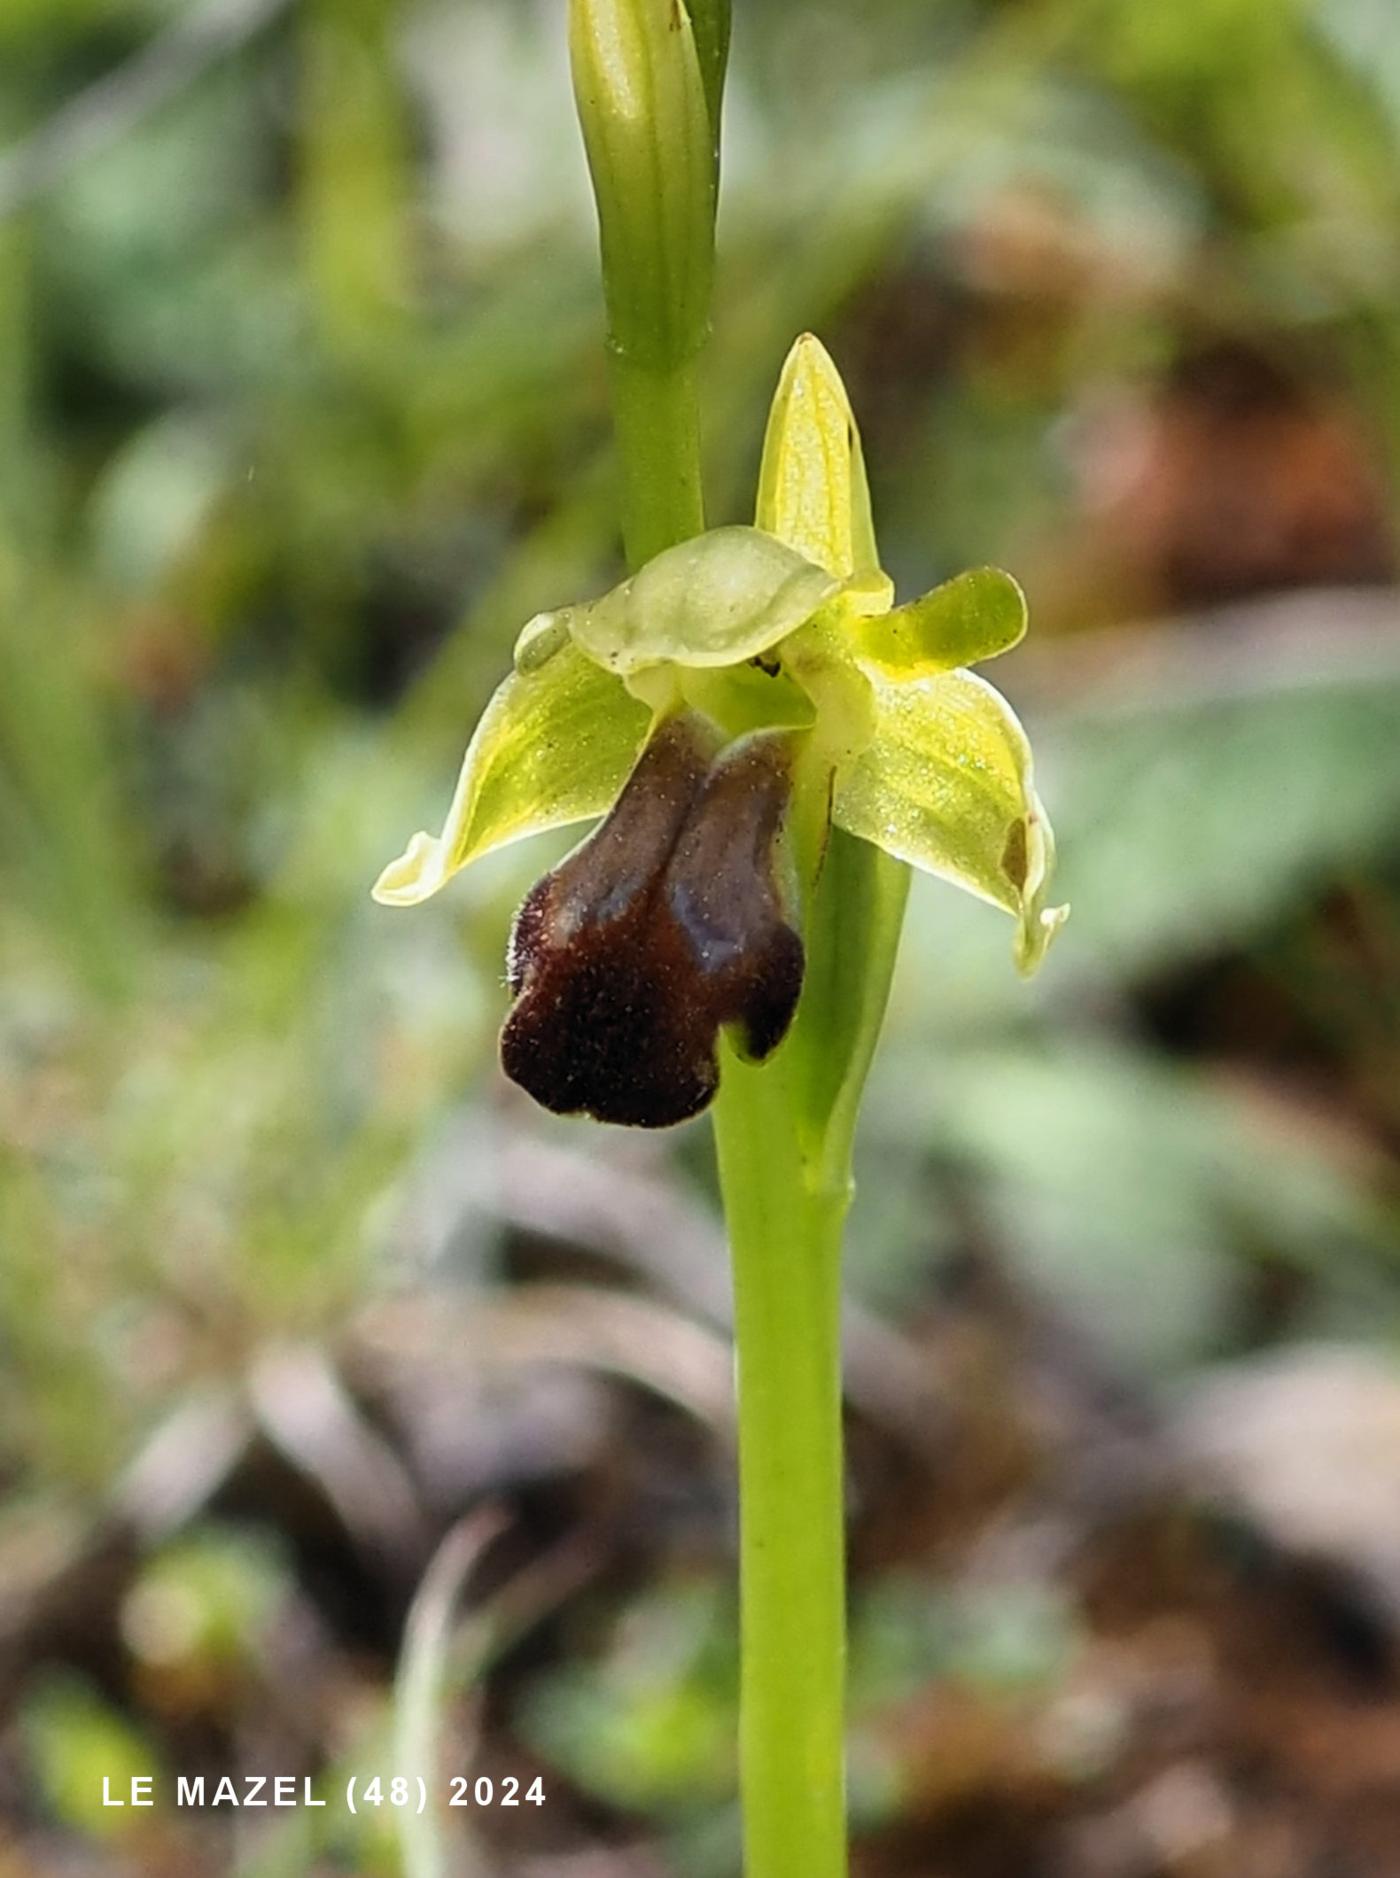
788,623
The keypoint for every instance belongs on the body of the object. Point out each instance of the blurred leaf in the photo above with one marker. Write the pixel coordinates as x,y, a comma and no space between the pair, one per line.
205,1603
75,1741
1001,1639
648,1725
1190,827
1117,1180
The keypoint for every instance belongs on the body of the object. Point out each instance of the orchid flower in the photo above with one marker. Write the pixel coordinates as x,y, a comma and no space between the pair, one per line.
722,709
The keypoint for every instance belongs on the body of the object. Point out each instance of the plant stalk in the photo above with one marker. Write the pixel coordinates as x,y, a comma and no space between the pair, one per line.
656,415
785,1238
785,1135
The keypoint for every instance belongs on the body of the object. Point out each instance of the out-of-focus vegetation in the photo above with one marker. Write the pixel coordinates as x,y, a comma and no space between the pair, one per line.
302,413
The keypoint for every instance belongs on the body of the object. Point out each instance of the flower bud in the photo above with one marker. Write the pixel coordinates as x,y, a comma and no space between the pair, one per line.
650,138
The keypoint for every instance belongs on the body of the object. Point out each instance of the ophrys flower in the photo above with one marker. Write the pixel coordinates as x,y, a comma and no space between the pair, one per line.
722,709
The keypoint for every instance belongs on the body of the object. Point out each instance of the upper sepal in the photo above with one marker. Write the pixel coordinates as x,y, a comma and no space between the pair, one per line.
812,489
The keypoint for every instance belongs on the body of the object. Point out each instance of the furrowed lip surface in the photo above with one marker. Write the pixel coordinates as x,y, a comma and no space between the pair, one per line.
665,926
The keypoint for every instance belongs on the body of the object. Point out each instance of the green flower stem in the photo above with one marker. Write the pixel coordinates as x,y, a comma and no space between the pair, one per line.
785,1237
785,1136
657,416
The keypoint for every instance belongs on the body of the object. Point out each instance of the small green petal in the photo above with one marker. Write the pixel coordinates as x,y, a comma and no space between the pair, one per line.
945,784
554,745
812,491
974,617
726,596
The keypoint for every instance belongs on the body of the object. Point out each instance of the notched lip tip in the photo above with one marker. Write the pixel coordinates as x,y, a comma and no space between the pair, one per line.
620,1112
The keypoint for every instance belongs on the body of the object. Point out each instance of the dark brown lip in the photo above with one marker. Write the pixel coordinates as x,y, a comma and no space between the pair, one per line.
667,925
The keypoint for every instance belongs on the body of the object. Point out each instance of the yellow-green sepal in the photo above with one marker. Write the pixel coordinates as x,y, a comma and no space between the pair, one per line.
554,745
728,595
976,616
812,489
946,785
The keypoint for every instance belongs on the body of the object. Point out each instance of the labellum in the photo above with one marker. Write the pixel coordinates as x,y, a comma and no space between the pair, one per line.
668,924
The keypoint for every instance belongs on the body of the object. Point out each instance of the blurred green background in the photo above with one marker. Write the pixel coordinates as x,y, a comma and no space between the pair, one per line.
354,1416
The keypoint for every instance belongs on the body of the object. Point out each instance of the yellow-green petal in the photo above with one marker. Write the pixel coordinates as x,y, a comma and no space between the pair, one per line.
554,745
946,784
974,617
812,491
